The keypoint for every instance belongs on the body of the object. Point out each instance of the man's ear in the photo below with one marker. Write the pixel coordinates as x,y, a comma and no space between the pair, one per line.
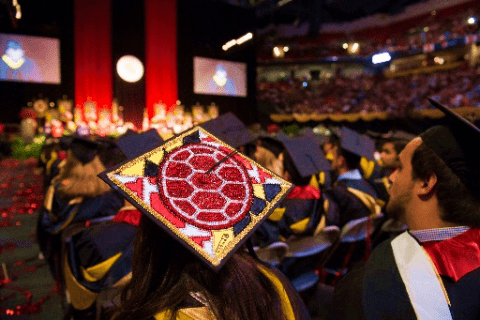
425,187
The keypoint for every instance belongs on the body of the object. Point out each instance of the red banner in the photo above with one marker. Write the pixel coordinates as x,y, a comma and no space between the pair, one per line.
93,52
160,52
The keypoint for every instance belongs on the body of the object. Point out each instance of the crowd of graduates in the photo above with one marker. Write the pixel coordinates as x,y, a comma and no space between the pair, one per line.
337,185
137,227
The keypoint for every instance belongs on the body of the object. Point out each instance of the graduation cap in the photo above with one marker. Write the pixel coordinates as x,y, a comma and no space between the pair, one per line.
200,190
318,138
133,144
306,155
230,129
359,144
457,145
273,145
84,149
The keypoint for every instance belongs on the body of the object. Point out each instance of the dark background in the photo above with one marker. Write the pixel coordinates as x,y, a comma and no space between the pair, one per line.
43,18
203,28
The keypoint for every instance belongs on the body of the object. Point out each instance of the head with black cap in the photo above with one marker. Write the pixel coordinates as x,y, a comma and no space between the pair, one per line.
269,153
437,182
347,149
303,158
86,158
184,257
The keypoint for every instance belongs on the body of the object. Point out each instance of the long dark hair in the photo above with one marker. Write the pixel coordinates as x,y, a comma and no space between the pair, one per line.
164,273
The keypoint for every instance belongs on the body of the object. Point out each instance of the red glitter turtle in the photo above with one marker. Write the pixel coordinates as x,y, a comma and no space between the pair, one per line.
210,200
202,191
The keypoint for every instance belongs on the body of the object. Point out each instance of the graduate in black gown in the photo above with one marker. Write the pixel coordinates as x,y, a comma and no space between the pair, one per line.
301,211
76,194
431,271
97,260
351,196
200,201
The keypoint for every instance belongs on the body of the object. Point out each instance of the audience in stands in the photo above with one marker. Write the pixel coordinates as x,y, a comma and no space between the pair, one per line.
430,30
368,93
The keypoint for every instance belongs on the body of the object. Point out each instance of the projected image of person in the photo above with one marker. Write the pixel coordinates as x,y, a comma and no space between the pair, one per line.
221,84
15,66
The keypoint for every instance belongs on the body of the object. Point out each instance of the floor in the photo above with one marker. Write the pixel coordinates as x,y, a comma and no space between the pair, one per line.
27,289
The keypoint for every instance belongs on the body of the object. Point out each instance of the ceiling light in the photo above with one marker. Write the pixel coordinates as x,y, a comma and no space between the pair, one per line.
244,38
381,57
278,52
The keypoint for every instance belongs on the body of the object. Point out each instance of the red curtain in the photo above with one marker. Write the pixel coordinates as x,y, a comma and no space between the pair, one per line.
93,52
160,52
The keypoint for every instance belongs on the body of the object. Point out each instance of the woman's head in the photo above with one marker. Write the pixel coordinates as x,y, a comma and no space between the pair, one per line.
164,273
85,160
80,180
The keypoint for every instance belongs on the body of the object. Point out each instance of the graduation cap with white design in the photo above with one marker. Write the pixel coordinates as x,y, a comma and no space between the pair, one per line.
200,190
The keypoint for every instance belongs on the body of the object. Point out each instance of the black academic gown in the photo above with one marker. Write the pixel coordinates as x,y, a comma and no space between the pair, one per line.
63,212
298,214
96,259
343,206
375,290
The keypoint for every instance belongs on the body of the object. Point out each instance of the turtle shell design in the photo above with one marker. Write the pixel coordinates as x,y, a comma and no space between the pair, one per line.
210,200
200,190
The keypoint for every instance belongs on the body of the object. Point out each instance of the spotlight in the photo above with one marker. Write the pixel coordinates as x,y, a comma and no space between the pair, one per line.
381,57
345,45
130,68
285,49
353,48
439,60
471,20
244,38
278,52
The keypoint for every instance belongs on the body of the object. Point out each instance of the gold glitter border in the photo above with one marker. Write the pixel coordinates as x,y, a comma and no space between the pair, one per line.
217,260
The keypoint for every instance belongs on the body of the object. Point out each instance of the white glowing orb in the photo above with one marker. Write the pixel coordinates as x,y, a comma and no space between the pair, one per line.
130,68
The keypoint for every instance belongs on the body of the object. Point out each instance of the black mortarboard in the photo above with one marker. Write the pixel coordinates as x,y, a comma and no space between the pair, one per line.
318,138
357,143
84,149
133,144
65,142
203,192
306,155
229,129
457,145
273,145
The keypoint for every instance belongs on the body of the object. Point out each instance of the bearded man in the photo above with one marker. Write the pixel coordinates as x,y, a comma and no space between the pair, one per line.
432,271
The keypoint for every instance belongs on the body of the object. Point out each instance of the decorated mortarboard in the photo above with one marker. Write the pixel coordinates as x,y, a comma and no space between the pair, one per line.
306,155
230,129
202,191
356,143
133,144
457,145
